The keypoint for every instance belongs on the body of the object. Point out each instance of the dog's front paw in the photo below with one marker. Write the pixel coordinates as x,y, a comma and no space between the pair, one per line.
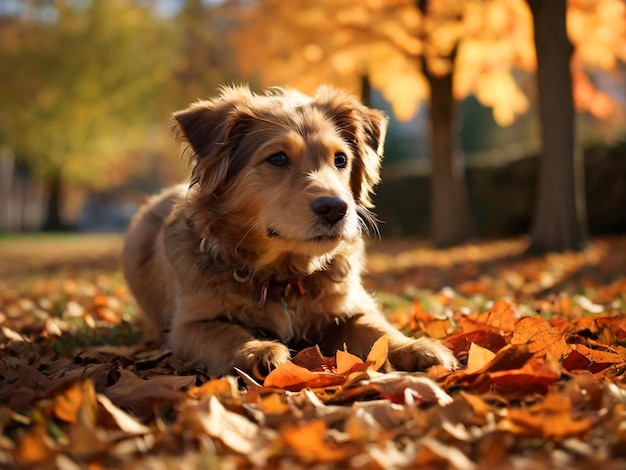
420,354
260,357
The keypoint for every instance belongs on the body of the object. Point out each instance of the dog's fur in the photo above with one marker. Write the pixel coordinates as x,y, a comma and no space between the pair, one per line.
261,254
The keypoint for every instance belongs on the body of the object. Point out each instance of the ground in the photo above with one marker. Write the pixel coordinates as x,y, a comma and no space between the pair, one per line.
541,340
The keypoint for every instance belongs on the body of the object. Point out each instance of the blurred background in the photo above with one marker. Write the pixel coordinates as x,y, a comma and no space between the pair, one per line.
87,88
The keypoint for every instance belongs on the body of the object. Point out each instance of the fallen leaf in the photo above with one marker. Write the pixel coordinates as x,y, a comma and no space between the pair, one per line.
377,356
540,338
461,342
67,404
347,363
552,417
35,448
406,388
209,416
123,420
292,377
478,357
139,395
309,442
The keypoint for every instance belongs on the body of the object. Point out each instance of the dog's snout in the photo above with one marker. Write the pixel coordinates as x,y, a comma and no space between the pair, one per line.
331,209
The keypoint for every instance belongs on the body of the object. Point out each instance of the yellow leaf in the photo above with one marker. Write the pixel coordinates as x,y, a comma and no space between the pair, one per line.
378,354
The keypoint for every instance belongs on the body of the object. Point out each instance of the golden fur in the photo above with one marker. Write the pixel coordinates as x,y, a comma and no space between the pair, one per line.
261,254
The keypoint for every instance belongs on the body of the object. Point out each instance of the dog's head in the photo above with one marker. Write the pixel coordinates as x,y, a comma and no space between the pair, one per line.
282,172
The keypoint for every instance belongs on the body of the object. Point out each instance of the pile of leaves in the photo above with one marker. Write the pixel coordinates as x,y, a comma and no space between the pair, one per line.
541,340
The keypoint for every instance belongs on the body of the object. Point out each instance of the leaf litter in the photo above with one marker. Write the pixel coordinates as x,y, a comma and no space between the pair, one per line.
542,341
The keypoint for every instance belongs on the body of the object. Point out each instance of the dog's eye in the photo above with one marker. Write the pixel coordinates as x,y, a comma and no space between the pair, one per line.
279,159
341,161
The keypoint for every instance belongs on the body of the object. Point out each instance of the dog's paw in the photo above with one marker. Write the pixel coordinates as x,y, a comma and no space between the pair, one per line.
260,357
420,354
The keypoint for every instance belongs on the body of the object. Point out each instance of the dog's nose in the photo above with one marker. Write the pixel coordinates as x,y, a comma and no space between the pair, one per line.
331,209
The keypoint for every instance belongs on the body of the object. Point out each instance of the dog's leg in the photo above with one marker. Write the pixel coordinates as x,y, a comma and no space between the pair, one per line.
360,332
221,346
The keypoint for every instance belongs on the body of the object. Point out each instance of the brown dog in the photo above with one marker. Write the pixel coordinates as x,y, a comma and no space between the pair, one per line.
262,252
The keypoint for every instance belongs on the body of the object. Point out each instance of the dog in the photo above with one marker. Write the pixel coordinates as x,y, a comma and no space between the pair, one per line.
261,253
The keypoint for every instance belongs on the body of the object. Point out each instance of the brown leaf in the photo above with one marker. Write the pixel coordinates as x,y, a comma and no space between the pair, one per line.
139,395
407,388
584,358
208,416
123,420
312,359
461,342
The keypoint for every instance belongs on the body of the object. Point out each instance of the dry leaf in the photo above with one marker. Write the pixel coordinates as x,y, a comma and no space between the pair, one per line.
478,358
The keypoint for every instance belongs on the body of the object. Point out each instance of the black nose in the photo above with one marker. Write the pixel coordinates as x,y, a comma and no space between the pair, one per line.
331,209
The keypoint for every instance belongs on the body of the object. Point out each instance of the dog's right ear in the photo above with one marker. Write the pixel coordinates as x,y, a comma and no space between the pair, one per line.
212,129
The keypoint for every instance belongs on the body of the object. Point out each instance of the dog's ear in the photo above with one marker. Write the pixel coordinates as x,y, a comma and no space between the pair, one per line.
212,129
364,129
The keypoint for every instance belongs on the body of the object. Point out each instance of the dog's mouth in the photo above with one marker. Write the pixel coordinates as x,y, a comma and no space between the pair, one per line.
326,237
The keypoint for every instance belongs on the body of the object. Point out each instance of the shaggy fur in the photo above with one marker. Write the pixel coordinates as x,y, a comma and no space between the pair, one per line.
261,254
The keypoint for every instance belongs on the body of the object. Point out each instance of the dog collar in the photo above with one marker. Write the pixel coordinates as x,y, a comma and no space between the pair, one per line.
279,290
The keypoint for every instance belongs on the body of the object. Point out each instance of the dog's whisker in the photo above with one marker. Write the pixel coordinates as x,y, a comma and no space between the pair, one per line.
368,222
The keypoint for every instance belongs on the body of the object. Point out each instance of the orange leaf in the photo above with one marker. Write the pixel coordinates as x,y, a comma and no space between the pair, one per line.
501,316
552,417
438,329
540,337
67,404
478,357
294,378
224,387
347,363
288,374
309,442
35,448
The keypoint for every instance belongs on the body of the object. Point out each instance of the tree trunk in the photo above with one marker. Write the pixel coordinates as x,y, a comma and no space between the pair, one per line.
451,219
366,90
53,220
560,212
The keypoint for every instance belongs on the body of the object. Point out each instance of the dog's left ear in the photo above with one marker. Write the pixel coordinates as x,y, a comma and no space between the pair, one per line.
364,129
213,129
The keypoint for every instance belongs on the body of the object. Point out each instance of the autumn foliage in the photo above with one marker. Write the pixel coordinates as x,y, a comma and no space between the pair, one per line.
484,44
541,340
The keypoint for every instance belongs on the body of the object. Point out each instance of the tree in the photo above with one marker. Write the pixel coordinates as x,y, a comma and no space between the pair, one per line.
598,40
559,217
82,92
